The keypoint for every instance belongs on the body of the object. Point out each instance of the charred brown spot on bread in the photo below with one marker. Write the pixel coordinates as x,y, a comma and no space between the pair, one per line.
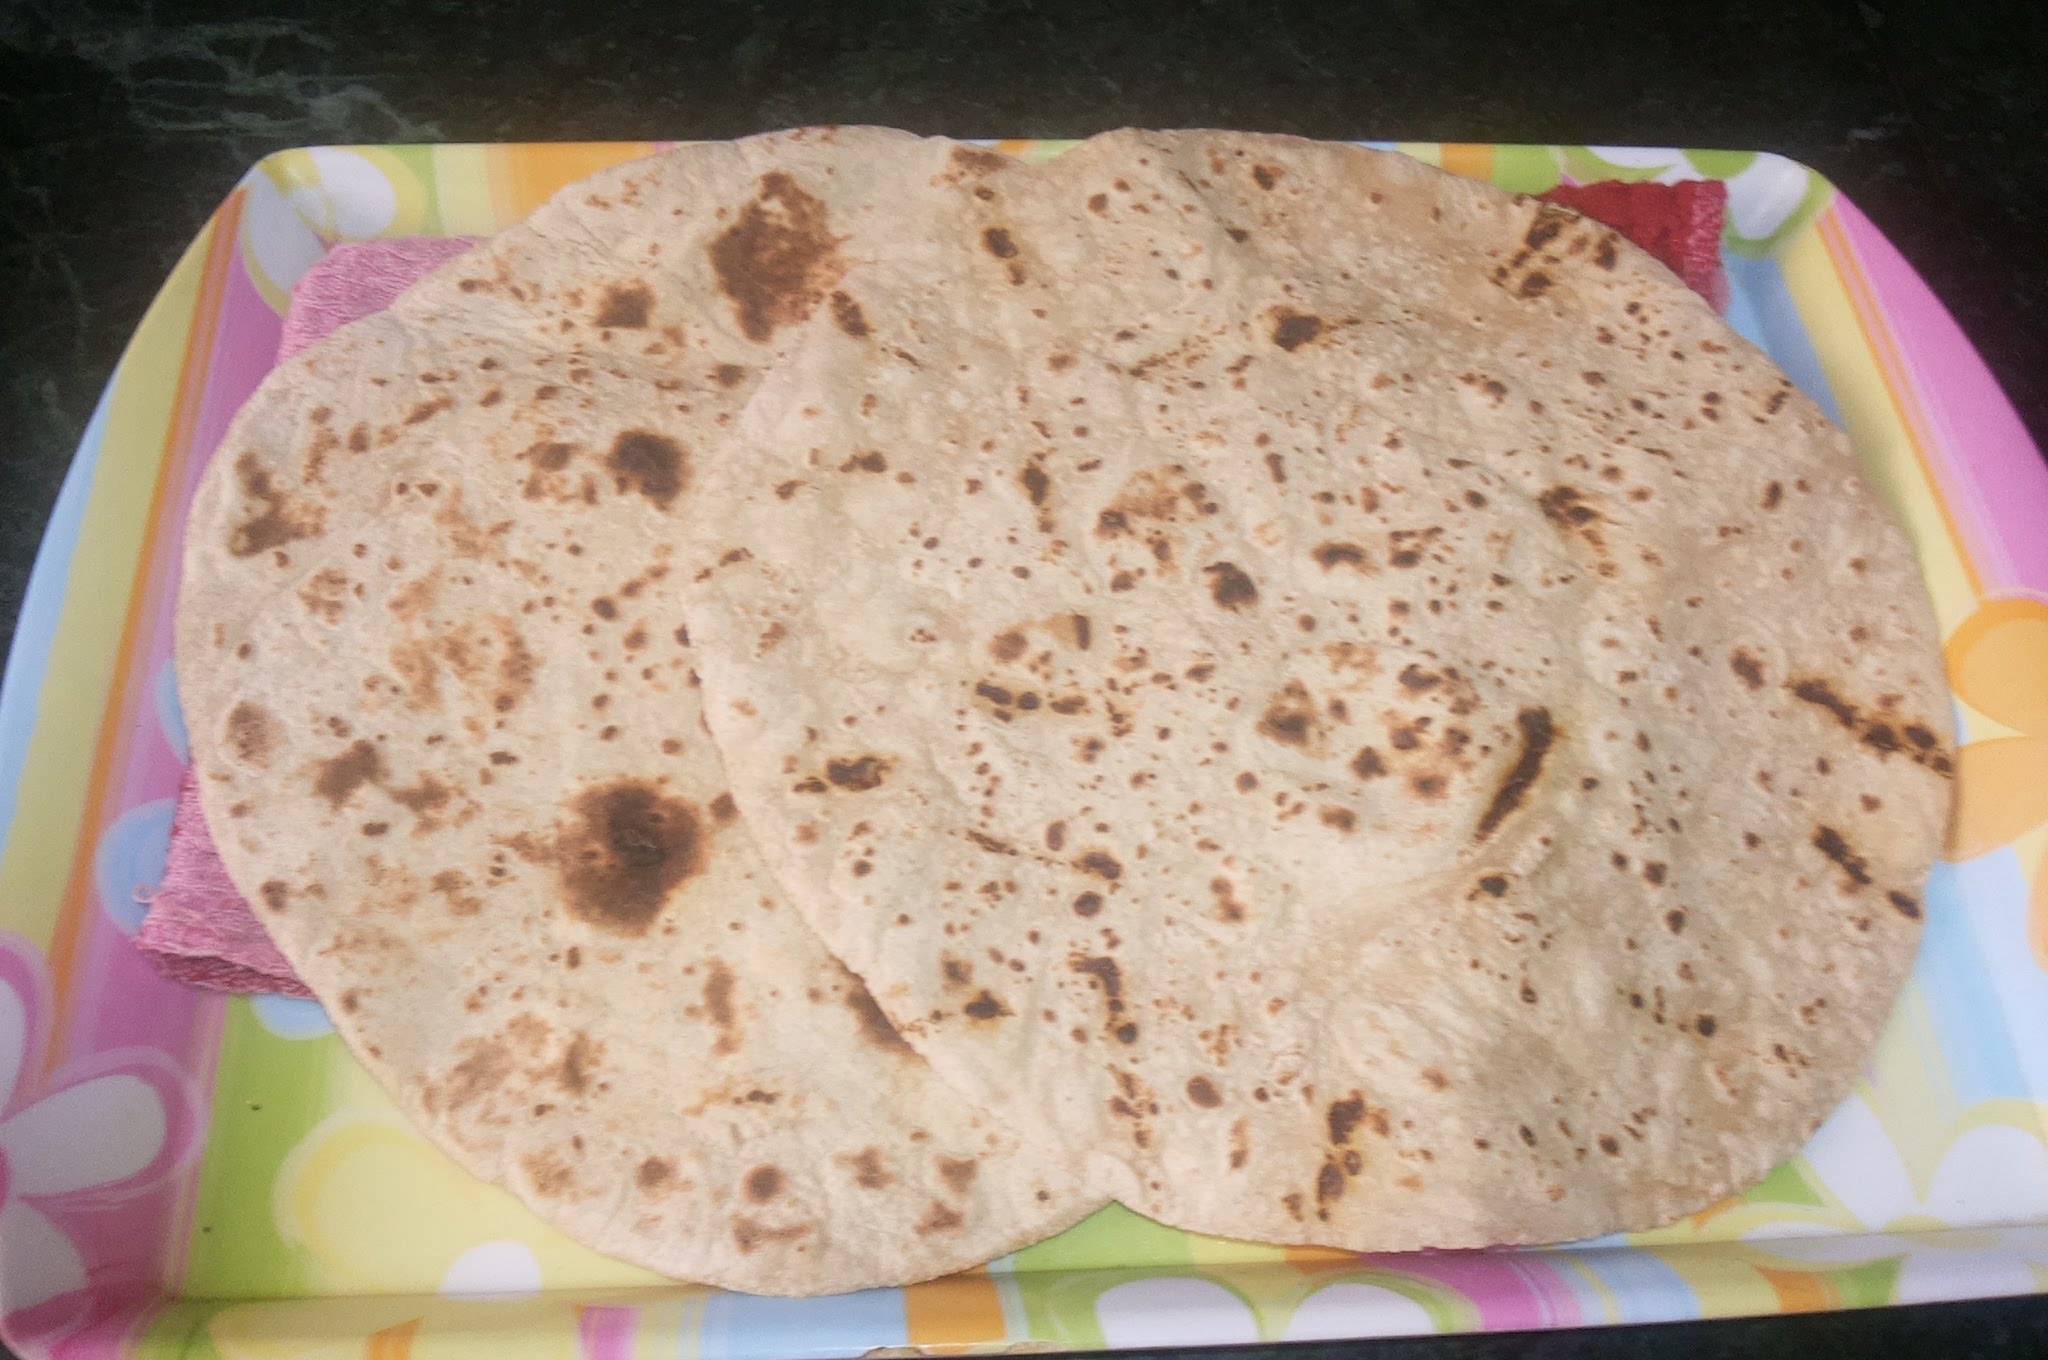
869,1173
1538,735
1329,556
847,315
1906,904
717,991
1493,885
550,1176
1036,483
253,734
750,1235
578,1059
625,307
859,774
997,242
1229,586
763,1183
874,1025
338,779
722,808
938,1218
1747,668
1831,843
1203,1093
986,1006
728,375
275,894
1008,646
1821,695
1266,176
280,519
652,464
958,1172
1292,329
871,461
1088,904
1343,1117
777,259
1535,284
654,1174
630,846
1101,864
1367,764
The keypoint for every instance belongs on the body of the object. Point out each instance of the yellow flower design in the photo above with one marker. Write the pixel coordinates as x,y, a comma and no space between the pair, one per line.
1998,665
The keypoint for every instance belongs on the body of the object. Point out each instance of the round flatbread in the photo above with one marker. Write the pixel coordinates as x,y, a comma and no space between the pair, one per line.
1353,696
433,660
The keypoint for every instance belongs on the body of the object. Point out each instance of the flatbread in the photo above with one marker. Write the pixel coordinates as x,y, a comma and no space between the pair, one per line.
432,657
1353,697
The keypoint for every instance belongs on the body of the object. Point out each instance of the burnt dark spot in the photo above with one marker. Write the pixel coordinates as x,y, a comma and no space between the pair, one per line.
1820,695
1920,736
1329,1184
1493,885
339,778
1535,284
279,519
654,1173
648,463
1908,906
626,308
1100,864
1036,483
1267,175
1330,555
996,241
1604,254
763,1183
722,809
1418,680
1674,920
985,1007
275,894
1705,1026
1107,975
1229,586
549,456
728,375
252,734
632,845
1292,329
1773,493
859,775
1747,667
874,1025
1367,764
1008,646
776,260
847,314
1538,734
1203,1093
1344,1116
870,461
1565,507
1829,842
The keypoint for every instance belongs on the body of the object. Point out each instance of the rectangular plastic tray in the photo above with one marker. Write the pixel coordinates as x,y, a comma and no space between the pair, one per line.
184,1175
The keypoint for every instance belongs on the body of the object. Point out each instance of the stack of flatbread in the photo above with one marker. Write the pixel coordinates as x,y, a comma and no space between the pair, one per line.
831,703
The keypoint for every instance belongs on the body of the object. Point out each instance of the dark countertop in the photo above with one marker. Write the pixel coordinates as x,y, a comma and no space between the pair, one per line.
122,125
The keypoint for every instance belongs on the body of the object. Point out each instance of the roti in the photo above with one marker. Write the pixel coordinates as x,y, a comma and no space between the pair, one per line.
1352,697
442,702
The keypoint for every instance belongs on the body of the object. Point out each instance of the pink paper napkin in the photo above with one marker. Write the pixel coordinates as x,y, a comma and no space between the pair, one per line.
199,930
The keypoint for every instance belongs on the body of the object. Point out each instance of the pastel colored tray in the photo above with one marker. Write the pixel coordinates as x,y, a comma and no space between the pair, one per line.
182,1175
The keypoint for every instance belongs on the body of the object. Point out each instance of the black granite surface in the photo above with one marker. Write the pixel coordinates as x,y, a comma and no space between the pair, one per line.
123,124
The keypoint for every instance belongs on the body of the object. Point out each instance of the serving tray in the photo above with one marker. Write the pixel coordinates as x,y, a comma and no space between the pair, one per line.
187,1175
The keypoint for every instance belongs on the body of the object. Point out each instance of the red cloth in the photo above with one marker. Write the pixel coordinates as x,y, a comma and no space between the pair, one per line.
1680,224
199,930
